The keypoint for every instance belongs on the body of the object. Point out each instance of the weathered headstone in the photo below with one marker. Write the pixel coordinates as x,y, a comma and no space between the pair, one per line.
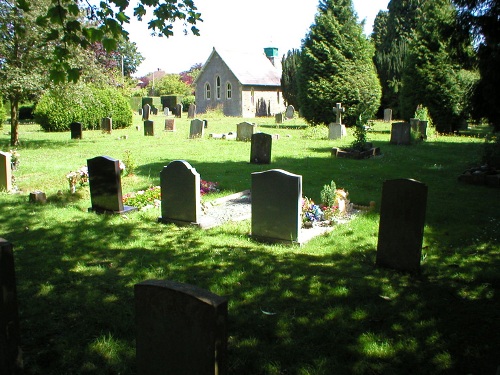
245,130
169,124
178,110
76,129
5,171
276,206
278,117
400,133
401,228
105,186
260,149
387,115
149,128
196,129
38,196
192,110
338,110
107,125
336,131
289,112
10,337
146,112
166,111
181,329
180,194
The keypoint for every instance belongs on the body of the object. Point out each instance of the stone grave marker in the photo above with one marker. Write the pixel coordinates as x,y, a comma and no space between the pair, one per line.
276,206
146,112
139,111
289,112
196,129
338,110
401,228
245,130
166,111
400,133
336,131
107,125
205,124
5,171
260,148
149,128
169,124
180,194
181,329
387,115
422,129
414,124
154,111
105,186
10,337
76,129
38,196
278,118
178,110
192,110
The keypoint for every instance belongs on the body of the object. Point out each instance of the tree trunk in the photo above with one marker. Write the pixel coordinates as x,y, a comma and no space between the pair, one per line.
14,122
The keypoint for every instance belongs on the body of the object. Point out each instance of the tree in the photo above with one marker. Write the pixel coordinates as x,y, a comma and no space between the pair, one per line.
171,84
337,66
289,77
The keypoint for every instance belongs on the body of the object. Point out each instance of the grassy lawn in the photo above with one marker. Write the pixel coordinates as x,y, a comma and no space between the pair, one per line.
333,311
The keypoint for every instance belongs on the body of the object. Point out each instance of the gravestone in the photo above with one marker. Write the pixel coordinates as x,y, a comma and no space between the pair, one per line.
196,129
338,110
154,111
149,129
276,206
107,125
260,148
192,111
38,196
289,112
336,131
205,124
400,133
140,111
105,186
387,115
414,124
244,131
178,110
169,124
181,329
76,129
422,129
278,118
180,194
10,337
146,112
401,228
5,171
166,111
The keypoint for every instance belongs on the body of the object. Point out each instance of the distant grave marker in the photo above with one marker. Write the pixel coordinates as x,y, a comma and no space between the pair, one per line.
260,148
76,129
149,128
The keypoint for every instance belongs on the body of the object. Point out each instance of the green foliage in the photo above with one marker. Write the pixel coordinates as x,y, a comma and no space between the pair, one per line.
187,100
83,103
130,164
336,66
289,77
2,112
170,84
26,112
491,151
329,194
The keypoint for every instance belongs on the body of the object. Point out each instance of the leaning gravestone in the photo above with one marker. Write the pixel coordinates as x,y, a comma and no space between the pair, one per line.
5,171
260,148
149,128
105,186
178,110
146,112
10,337
400,133
169,124
244,131
387,115
107,125
192,110
401,229
180,194
289,112
196,129
76,129
276,206
181,329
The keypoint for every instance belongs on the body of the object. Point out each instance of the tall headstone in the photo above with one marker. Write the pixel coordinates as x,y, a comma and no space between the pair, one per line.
76,129
149,128
166,111
192,110
107,125
387,115
289,112
10,337
105,186
196,129
338,110
336,131
278,117
178,110
245,130
5,171
401,228
181,329
260,148
400,133
276,206
180,194
146,112
169,124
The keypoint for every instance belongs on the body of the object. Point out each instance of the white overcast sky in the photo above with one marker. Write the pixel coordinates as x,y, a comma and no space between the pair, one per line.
241,25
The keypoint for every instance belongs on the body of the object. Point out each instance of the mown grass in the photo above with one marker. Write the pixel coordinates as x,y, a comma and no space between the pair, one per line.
332,311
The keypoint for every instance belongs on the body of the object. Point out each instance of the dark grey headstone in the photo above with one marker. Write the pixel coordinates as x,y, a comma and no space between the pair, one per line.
181,329
146,112
400,133
260,149
76,129
401,229
196,129
107,125
180,193
105,185
290,112
278,118
178,110
276,206
10,338
192,111
149,128
154,111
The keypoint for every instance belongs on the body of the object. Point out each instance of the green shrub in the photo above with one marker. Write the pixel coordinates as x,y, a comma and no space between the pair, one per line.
187,101
26,112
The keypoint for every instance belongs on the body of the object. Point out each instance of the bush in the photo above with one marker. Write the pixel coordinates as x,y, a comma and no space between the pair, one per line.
84,103
186,101
26,112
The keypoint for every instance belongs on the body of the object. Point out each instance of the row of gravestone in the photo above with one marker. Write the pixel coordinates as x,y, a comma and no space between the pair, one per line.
183,328
147,110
